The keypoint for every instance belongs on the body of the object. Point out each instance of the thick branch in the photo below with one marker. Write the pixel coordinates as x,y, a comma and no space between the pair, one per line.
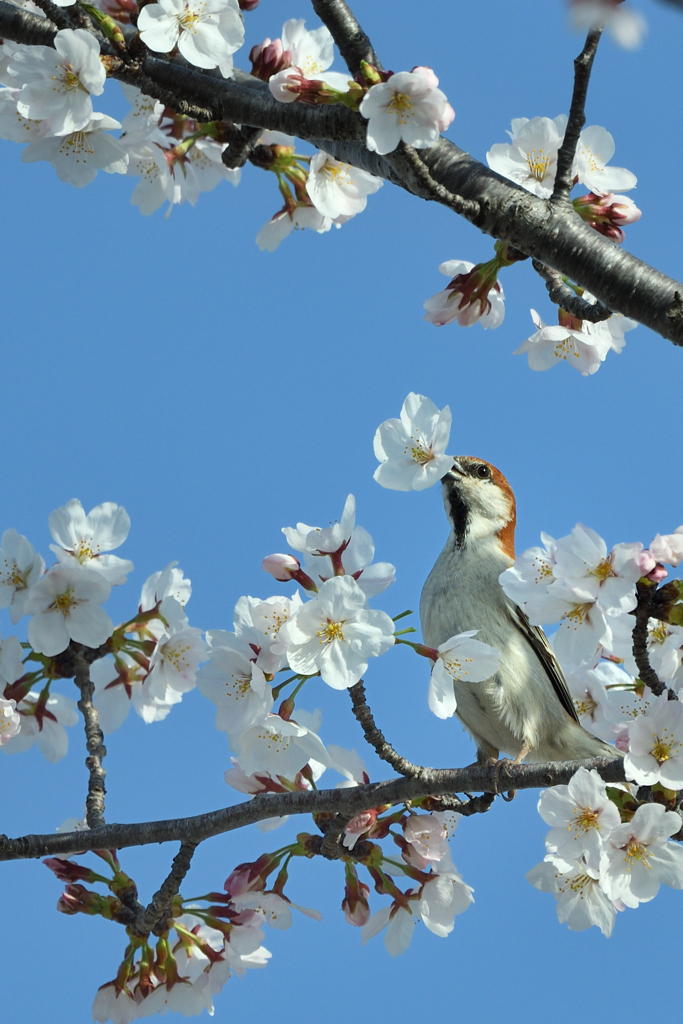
94,741
562,295
351,40
375,737
548,232
583,66
155,916
348,802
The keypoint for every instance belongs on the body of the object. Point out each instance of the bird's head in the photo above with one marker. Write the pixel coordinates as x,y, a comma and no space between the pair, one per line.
480,504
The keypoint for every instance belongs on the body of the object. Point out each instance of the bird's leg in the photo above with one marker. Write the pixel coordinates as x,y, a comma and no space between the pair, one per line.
510,795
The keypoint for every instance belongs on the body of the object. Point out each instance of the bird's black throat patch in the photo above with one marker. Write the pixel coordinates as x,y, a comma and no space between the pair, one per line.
459,514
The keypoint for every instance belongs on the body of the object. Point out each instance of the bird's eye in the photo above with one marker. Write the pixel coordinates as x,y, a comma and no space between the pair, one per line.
483,472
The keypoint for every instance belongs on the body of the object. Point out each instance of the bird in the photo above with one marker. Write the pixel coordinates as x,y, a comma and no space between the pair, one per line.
525,710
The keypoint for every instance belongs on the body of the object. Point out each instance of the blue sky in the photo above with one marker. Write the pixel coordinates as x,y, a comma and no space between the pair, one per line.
220,393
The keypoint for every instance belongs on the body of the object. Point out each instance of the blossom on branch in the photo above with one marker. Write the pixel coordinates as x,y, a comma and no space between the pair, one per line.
576,887
291,219
406,108
530,159
593,152
10,720
58,83
65,605
338,189
84,540
472,296
655,752
207,32
638,856
43,720
77,157
20,567
581,815
335,633
412,450
582,344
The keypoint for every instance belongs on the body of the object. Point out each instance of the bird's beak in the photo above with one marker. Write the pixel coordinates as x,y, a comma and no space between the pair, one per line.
454,473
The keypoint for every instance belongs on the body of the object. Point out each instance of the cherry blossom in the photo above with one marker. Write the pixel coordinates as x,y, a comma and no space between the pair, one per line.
207,32
442,898
426,834
20,568
638,857
157,185
583,564
404,108
463,658
174,662
160,586
13,126
581,815
665,650
598,710
530,159
399,922
594,150
412,450
624,23
467,299
607,213
257,626
532,573
11,660
238,689
77,157
287,220
656,745
338,189
272,908
84,540
581,344
65,605
205,159
58,83
10,720
312,51
279,747
43,721
335,633
145,113
581,901
668,548
340,549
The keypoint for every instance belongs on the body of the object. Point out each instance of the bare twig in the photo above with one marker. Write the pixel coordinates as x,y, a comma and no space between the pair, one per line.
352,42
583,66
562,295
154,918
375,737
94,741
645,670
433,782
410,165
58,15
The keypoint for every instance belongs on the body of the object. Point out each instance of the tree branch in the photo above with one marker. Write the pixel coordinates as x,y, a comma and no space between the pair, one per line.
433,782
415,174
155,916
645,670
94,741
352,42
548,232
375,737
583,66
562,295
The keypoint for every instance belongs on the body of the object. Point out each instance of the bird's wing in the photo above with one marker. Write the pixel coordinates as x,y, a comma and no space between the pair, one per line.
546,655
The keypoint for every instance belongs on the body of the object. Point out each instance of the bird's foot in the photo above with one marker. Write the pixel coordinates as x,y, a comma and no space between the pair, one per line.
499,767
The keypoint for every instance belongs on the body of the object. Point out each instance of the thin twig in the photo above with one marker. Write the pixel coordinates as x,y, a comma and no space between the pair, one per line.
94,740
562,295
434,782
154,918
408,162
564,177
58,15
375,737
240,147
352,42
645,670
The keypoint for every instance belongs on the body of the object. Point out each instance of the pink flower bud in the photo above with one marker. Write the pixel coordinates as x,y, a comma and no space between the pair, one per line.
68,870
428,75
250,875
268,58
248,5
281,567
607,213
658,574
646,562
355,903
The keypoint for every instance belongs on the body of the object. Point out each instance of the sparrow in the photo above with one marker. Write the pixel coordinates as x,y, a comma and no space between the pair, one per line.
525,710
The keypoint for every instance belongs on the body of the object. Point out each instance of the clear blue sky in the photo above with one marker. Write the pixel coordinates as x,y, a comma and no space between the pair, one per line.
220,393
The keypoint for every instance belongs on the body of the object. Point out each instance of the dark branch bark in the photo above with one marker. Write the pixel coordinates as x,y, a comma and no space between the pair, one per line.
548,232
155,916
375,737
645,670
583,66
561,294
94,741
330,846
348,802
352,42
